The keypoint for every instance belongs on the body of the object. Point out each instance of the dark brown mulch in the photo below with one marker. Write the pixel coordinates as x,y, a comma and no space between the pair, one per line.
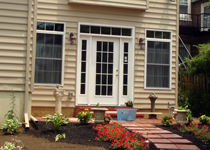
203,145
76,133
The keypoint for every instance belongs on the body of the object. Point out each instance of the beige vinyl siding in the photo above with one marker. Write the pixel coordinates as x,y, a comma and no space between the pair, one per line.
13,39
13,43
161,15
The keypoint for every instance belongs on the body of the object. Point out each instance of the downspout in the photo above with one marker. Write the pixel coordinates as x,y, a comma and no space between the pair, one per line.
26,110
34,46
177,54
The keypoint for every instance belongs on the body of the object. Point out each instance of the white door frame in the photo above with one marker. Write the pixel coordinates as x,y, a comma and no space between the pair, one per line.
83,99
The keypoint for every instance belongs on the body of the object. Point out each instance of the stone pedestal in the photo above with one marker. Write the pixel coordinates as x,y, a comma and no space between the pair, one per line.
181,116
99,114
171,110
152,98
58,94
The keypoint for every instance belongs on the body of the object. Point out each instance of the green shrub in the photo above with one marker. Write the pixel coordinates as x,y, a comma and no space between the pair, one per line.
11,113
84,116
204,119
11,126
167,120
56,121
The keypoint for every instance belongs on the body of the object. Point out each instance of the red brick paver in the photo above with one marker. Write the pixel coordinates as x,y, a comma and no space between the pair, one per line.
187,147
166,146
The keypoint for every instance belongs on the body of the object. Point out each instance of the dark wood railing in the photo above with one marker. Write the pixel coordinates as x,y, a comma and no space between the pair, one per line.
200,21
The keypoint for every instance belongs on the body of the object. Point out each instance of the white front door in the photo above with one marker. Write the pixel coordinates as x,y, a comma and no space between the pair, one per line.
103,71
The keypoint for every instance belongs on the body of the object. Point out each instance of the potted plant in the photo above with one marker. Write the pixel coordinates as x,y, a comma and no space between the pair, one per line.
129,103
183,115
99,113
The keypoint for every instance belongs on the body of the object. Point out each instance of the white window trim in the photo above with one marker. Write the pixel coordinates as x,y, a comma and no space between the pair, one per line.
183,16
202,16
145,66
63,50
89,36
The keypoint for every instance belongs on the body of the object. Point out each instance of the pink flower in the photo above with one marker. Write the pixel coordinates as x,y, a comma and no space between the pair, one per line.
107,119
105,115
63,118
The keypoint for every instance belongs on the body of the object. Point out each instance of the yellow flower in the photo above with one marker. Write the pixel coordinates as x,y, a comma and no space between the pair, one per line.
83,114
86,109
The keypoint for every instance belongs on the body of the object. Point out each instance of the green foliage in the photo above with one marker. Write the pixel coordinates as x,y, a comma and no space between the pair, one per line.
11,126
182,100
129,102
204,119
11,113
84,116
200,64
97,105
59,136
201,134
56,121
13,145
167,120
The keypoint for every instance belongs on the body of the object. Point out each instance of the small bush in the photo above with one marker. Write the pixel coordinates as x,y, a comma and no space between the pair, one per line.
107,119
84,116
13,145
204,119
56,121
167,120
11,126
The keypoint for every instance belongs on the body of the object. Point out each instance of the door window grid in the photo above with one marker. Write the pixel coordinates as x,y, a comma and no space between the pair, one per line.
83,66
104,68
125,69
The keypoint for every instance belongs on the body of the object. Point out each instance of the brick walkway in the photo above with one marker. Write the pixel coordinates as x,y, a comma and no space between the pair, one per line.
162,139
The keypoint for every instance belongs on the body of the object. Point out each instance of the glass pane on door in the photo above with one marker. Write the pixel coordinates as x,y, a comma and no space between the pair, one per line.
104,68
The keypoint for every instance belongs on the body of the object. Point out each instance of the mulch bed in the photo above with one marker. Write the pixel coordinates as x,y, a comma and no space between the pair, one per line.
77,133
203,145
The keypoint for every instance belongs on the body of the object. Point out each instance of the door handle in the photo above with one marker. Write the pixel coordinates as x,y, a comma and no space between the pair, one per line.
116,72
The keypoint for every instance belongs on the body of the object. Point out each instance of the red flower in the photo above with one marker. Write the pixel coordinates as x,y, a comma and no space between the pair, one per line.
63,118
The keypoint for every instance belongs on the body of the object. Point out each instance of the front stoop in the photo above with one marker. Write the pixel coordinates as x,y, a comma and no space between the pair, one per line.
162,139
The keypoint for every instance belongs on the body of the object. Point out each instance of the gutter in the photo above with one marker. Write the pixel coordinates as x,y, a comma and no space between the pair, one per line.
26,109
177,54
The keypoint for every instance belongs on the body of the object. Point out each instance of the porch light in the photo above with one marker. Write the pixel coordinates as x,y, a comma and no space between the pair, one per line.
142,43
72,39
146,141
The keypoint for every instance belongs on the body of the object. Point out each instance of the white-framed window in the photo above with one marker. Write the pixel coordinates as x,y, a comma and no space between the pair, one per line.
49,53
205,17
158,59
184,9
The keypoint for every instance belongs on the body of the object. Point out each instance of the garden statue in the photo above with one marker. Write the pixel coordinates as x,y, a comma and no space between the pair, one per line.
152,98
58,94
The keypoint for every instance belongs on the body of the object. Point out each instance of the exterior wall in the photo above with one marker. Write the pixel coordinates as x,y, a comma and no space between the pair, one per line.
161,15
14,31
5,104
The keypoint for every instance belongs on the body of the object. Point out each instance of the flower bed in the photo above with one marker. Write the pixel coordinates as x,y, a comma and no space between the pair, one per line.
119,137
